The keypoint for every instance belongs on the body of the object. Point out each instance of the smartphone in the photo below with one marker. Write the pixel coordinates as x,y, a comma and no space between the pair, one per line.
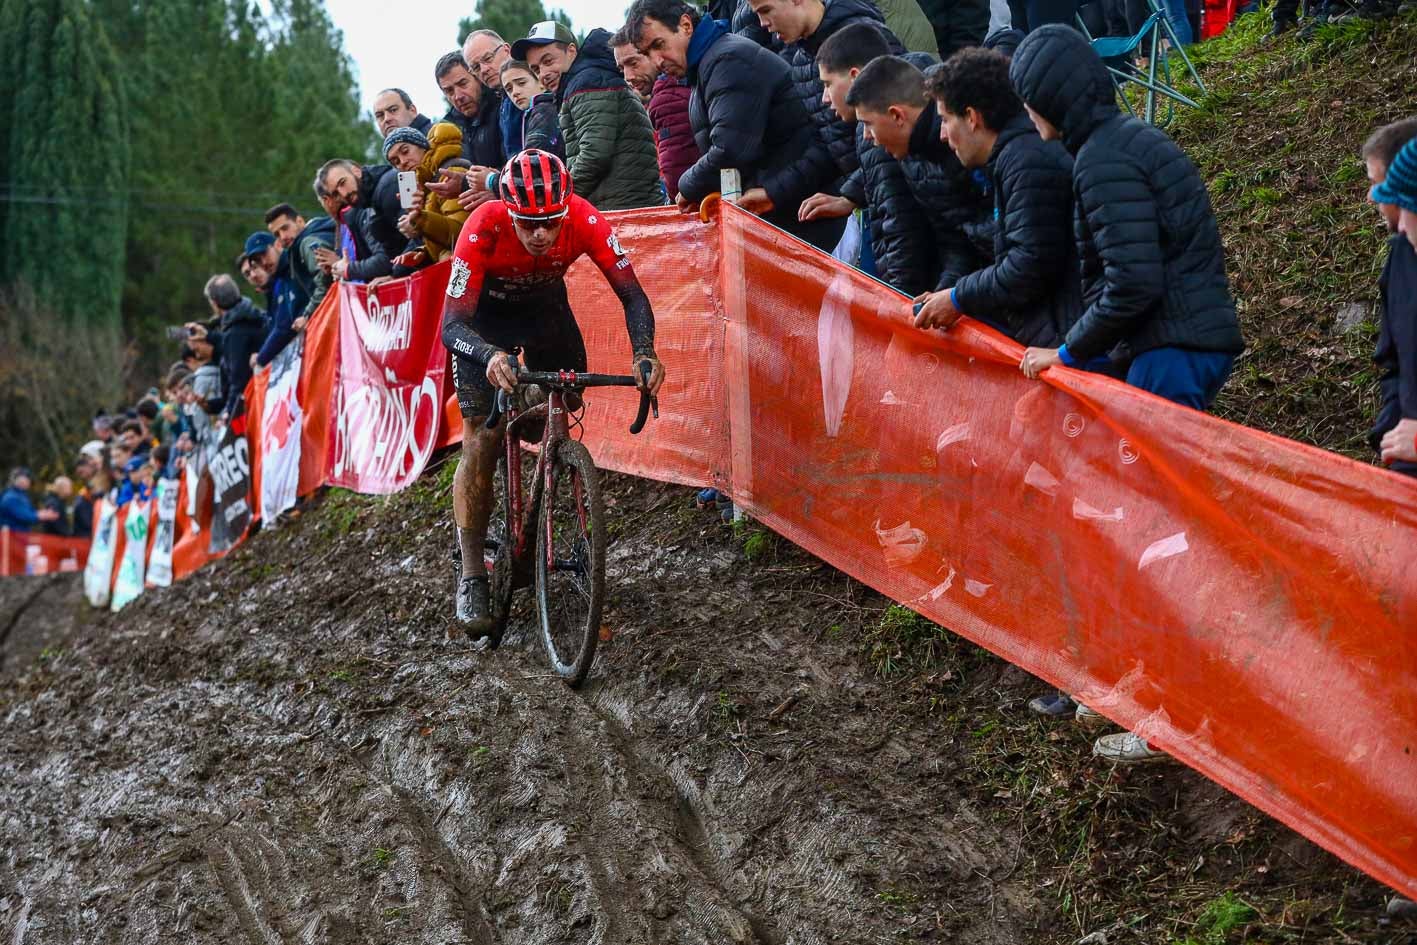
408,186
177,332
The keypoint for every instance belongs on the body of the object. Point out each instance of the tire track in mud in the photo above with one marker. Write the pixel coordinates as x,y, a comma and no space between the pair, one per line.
609,772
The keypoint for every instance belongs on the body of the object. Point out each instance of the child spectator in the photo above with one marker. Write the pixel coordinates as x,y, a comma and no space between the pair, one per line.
1391,158
137,481
540,127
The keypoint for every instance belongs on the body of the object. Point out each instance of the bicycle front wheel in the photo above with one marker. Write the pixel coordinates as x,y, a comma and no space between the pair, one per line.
570,562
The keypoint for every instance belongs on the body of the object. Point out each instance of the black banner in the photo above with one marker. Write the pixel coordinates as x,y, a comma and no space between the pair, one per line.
230,468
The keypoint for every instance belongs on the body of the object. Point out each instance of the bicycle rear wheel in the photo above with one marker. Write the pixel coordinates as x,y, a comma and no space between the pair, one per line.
570,562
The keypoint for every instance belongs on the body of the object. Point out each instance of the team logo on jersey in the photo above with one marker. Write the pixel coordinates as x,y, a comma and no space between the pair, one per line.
472,238
591,218
457,282
614,243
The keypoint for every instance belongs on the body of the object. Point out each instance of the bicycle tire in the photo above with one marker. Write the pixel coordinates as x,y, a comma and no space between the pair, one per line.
503,579
570,595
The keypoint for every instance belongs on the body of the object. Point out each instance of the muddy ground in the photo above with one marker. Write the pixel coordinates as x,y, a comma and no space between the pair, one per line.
288,748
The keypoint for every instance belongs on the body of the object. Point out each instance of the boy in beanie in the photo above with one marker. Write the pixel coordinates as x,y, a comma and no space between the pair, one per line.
1391,158
1152,265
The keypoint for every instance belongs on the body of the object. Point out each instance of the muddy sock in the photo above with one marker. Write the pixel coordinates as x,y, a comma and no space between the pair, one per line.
470,544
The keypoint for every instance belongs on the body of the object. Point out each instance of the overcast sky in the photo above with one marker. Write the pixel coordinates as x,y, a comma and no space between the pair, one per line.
397,44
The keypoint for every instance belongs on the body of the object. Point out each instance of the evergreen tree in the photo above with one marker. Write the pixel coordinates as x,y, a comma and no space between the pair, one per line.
509,19
64,139
237,123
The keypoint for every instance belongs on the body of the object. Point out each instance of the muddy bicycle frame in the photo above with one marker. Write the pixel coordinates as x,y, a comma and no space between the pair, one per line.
513,556
557,384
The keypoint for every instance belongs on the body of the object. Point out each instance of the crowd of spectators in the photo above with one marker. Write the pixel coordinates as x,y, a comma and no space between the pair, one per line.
1004,183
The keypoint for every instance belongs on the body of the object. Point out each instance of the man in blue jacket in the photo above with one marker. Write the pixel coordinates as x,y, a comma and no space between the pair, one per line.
17,512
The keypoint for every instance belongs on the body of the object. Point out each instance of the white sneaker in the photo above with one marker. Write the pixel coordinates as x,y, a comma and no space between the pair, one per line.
1090,717
1126,749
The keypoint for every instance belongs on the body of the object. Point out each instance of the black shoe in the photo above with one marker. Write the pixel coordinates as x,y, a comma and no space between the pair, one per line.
1280,28
1307,31
473,611
1373,10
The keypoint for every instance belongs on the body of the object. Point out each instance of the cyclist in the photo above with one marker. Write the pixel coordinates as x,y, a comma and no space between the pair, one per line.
507,289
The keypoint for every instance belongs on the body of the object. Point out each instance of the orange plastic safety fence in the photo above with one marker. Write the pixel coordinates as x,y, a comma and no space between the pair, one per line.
1244,602
1236,598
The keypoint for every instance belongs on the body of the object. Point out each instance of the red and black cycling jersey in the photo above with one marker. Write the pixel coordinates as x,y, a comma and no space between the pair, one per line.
492,269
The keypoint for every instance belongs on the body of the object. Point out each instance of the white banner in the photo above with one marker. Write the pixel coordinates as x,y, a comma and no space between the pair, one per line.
280,434
160,561
98,573
130,570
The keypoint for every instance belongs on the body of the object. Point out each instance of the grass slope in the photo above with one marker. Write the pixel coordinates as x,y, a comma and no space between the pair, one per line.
1277,140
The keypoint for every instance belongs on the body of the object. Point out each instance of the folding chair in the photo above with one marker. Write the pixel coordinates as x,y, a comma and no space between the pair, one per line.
1117,53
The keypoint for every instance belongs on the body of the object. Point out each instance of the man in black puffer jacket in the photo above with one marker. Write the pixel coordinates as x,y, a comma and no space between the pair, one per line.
895,222
1030,291
374,191
742,109
802,26
889,98
1152,265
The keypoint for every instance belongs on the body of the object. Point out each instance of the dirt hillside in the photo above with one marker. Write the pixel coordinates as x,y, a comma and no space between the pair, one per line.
289,748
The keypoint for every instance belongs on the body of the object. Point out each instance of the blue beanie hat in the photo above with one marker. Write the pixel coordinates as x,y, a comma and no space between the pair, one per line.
410,134
1400,187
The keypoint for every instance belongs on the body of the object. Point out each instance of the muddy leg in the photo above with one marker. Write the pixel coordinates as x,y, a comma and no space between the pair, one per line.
473,492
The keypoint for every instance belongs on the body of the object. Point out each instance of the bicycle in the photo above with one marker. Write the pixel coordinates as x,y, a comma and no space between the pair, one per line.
562,501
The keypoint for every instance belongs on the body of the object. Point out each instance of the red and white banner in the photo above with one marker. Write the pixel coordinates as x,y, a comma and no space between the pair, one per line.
281,419
387,407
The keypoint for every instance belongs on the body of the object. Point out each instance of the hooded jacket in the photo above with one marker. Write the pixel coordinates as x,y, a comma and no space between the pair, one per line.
609,142
952,203
377,227
744,113
305,269
441,219
1030,291
482,133
242,330
673,132
833,154
541,126
1152,264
